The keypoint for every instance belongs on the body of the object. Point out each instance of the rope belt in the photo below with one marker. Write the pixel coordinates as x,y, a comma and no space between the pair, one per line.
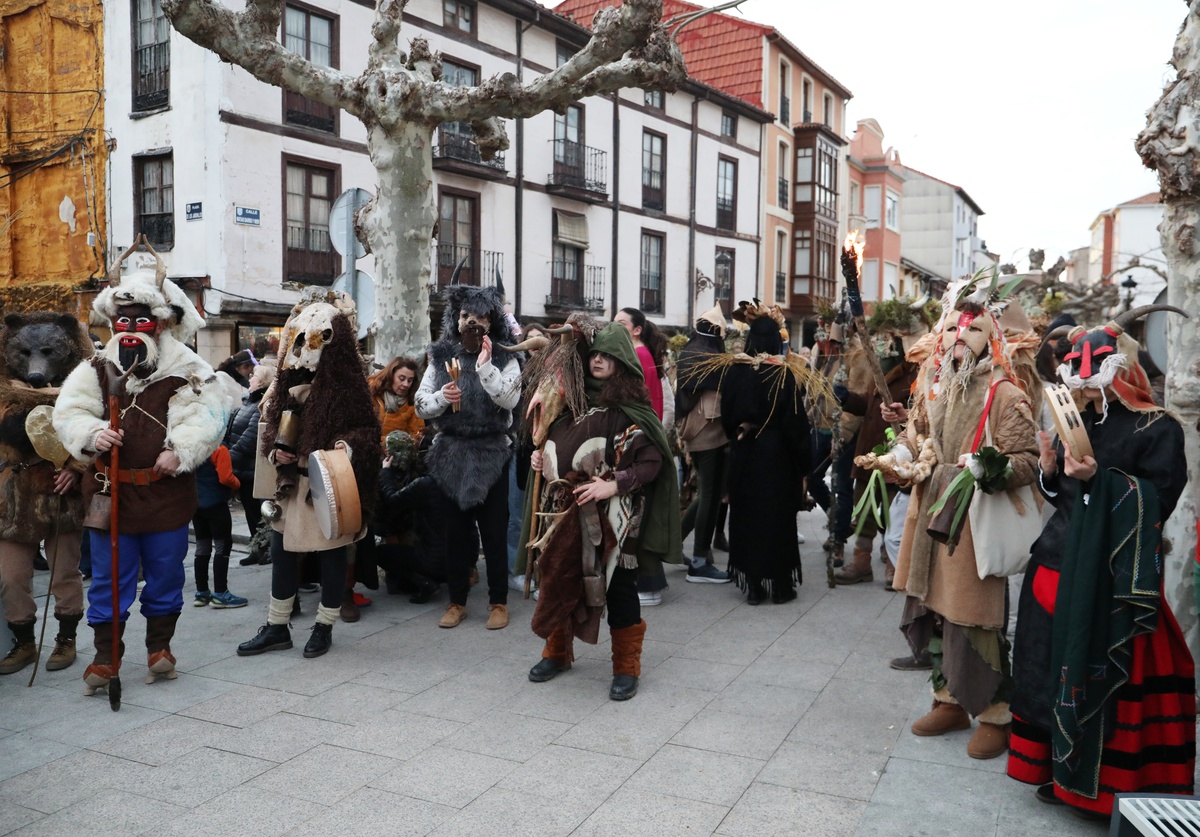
136,476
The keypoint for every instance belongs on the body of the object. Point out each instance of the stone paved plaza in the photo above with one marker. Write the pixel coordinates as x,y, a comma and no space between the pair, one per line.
750,722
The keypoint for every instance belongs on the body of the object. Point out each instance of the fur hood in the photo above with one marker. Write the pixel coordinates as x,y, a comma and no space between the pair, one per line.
479,301
168,303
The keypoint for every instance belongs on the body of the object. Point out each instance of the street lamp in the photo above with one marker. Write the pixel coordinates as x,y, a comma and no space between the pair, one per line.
1130,285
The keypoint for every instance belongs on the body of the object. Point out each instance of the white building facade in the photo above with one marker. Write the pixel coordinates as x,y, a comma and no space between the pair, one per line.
1127,248
939,225
645,200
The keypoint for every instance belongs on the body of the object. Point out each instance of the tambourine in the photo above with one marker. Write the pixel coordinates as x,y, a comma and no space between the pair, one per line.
1067,421
334,493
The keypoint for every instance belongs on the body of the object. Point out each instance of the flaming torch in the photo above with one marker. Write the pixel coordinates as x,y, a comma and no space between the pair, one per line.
852,259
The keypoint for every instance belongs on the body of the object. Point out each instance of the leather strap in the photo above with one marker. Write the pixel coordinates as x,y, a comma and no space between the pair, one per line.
136,476
987,408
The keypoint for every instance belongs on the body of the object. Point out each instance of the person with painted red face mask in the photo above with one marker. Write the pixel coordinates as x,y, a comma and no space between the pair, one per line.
1092,619
173,415
951,613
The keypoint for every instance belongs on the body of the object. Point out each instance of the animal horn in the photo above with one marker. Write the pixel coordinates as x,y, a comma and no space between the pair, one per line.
457,269
160,267
1054,335
920,303
534,343
561,329
114,270
1124,320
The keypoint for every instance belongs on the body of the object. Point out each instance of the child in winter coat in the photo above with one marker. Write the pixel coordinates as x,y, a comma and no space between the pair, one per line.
215,482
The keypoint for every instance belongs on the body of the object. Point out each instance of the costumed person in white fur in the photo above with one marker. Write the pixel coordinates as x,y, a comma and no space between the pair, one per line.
173,414
318,402
966,389
471,411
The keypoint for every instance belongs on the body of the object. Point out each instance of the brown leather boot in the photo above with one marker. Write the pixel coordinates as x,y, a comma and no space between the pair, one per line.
626,660
24,650
97,675
989,741
859,569
159,659
941,719
64,644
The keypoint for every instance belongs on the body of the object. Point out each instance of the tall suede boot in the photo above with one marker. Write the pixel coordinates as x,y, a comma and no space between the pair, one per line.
159,659
557,656
626,660
64,644
97,675
24,650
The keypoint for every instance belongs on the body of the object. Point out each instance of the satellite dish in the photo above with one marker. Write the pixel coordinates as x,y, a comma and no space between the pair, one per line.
363,292
341,221
1155,333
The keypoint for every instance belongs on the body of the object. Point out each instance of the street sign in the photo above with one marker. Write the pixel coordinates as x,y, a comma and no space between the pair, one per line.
195,211
341,221
363,292
246,216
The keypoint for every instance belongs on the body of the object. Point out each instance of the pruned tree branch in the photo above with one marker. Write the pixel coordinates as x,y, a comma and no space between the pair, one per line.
385,35
250,39
1170,142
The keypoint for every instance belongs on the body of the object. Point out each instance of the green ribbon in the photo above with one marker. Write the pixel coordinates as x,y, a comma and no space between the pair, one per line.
960,490
873,501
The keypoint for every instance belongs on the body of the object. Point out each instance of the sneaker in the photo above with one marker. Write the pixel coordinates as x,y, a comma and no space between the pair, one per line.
706,574
227,599
650,599
800,538
361,600
203,597
516,582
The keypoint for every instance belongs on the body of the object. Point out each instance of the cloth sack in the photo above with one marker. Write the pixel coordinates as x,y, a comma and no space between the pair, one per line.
1004,525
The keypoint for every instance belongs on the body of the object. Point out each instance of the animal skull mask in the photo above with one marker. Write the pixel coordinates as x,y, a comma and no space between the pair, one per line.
306,334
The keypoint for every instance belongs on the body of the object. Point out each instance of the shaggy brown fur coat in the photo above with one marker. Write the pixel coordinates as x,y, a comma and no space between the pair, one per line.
30,511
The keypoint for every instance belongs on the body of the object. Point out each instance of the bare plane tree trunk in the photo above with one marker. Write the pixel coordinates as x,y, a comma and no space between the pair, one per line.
1170,145
401,99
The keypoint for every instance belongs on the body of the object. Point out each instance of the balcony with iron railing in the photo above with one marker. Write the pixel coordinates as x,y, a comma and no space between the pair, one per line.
304,112
726,214
569,291
151,76
783,193
806,116
479,267
781,289
785,110
578,171
311,259
456,150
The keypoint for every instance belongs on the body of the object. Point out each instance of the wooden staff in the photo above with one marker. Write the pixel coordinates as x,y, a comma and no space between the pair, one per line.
114,422
851,263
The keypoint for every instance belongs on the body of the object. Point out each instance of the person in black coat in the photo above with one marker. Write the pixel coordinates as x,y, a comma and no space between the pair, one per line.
242,441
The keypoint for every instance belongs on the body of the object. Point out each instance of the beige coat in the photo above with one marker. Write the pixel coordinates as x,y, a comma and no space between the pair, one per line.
949,584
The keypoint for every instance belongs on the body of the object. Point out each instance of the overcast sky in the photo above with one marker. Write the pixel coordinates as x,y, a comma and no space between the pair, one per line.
1032,106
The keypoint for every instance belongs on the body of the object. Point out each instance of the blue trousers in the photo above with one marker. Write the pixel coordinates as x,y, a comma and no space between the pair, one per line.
160,555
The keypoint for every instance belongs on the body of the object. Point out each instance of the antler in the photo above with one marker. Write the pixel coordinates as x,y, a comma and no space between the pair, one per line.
160,267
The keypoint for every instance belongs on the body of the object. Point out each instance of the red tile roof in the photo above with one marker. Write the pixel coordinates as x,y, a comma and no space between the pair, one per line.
1151,198
724,52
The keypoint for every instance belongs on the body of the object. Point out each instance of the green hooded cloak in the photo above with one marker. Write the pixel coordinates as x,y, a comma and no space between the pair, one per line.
659,538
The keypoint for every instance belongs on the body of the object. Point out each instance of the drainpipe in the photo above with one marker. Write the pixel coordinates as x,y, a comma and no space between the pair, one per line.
616,197
762,211
690,282
519,198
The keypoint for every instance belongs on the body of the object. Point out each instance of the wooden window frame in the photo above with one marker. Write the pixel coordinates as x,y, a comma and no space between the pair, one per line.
452,24
139,169
335,189
475,276
731,215
335,61
148,101
649,193
649,305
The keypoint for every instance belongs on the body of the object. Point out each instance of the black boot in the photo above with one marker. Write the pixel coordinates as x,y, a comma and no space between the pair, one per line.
624,686
755,594
426,589
319,642
783,591
24,650
269,638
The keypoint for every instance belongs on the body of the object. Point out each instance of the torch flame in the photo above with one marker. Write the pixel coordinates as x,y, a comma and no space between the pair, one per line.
855,244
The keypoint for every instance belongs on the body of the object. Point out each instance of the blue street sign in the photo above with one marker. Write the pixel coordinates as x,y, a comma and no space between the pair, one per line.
246,215
195,211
